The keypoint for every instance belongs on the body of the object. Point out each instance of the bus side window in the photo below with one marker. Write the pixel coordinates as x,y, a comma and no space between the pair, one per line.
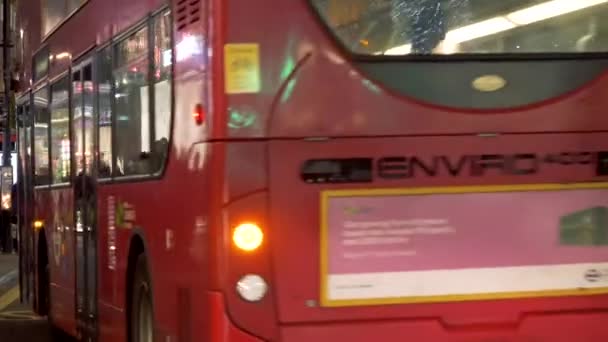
132,105
162,89
42,172
60,131
104,124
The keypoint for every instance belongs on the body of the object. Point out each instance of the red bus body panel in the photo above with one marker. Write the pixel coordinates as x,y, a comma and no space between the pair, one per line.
312,90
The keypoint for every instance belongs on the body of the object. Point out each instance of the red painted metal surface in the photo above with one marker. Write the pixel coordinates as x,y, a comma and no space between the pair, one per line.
223,172
222,329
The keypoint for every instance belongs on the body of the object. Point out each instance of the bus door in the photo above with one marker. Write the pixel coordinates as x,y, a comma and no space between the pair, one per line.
83,109
24,199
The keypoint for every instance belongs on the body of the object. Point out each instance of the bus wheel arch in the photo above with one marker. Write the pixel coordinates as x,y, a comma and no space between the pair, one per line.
139,299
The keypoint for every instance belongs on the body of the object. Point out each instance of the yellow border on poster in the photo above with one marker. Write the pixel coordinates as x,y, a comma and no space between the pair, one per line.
324,248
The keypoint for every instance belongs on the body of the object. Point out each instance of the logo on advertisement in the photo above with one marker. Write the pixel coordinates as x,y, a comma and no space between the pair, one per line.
356,210
602,164
125,215
594,275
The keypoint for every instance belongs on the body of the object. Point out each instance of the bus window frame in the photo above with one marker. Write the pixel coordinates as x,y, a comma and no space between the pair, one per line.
157,14
148,22
55,80
22,122
88,57
41,86
27,122
43,51
45,82
353,56
96,65
142,24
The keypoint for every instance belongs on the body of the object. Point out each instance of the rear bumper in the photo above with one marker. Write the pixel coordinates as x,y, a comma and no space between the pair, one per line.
567,327
583,326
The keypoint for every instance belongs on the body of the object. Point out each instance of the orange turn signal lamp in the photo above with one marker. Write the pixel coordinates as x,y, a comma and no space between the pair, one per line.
248,236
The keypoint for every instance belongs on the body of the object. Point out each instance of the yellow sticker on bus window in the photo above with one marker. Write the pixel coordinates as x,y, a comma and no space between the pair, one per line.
242,68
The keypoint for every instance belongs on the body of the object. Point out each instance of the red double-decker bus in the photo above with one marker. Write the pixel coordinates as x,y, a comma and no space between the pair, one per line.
315,170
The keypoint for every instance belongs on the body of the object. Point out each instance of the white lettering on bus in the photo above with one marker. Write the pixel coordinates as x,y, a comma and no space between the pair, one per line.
111,233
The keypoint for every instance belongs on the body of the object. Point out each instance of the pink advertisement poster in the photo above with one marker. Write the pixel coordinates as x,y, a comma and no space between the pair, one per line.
463,246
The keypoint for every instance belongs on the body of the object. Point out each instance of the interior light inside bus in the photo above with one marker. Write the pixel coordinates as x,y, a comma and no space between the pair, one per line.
63,55
478,30
189,46
248,237
6,201
550,9
167,58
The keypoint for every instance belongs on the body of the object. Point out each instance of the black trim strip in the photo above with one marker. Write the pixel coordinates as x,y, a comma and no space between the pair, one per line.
527,82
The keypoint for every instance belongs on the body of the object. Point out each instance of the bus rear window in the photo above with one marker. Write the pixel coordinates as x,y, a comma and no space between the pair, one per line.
406,27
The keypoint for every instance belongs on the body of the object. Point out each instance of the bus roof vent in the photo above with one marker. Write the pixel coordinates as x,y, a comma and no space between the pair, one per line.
187,13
